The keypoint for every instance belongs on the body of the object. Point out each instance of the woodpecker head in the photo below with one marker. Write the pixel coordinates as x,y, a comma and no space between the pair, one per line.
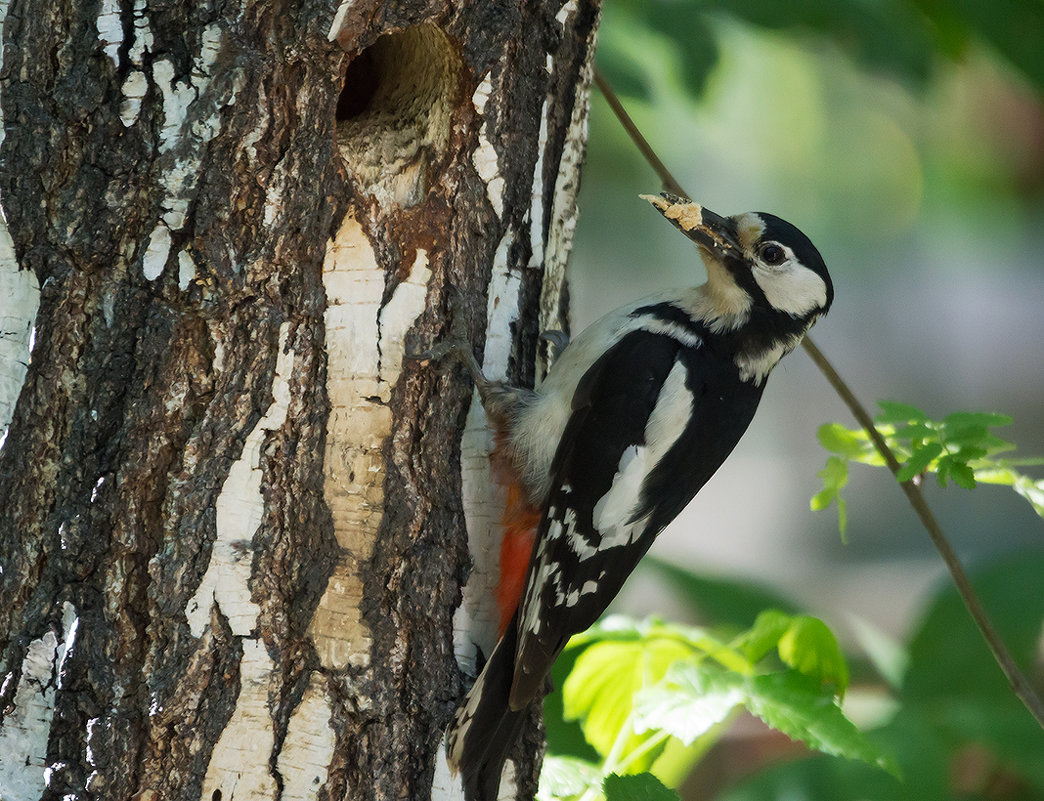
755,261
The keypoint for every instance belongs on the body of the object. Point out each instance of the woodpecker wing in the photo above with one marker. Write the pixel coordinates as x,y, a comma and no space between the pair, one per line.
651,422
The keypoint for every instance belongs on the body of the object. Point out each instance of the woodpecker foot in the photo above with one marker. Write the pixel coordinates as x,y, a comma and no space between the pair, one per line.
460,351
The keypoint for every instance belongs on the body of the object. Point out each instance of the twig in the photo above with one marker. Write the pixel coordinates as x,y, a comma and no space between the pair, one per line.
1020,685
643,146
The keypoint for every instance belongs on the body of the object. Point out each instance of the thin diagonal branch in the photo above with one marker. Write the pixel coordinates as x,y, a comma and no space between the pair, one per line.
1020,685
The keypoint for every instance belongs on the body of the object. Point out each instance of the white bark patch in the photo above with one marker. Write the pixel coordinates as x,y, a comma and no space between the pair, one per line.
135,87
186,269
566,11
564,210
445,785
485,155
110,30
476,619
23,737
536,209
240,508
338,20
19,302
156,252
21,299
179,178
177,95
395,319
364,344
309,745
508,787
239,765
142,34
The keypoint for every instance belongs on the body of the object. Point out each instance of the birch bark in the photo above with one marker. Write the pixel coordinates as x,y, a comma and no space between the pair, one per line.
245,545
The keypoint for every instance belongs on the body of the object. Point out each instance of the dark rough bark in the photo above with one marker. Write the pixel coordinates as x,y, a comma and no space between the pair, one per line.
141,394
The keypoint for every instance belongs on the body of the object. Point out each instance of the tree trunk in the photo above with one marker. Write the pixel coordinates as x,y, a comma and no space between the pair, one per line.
235,523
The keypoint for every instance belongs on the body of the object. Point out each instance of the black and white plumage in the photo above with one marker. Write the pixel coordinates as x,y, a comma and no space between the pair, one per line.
636,415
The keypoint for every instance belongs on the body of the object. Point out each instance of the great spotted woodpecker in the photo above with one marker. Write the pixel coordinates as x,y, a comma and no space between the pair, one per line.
636,414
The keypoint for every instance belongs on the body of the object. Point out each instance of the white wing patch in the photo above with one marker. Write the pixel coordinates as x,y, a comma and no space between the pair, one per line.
613,514
619,502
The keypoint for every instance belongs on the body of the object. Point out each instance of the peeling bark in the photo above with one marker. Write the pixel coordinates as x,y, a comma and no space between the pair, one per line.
236,525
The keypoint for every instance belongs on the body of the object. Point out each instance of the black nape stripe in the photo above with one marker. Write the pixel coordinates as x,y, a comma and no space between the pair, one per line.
669,313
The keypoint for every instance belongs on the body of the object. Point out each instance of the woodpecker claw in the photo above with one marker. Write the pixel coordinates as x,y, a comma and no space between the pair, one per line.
459,350
435,353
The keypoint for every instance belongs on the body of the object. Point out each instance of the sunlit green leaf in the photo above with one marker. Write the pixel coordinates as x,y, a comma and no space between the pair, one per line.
810,647
689,702
838,439
835,477
765,634
1032,491
565,778
822,499
599,692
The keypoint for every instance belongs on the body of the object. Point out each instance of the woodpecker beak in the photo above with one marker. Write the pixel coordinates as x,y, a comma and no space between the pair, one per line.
712,232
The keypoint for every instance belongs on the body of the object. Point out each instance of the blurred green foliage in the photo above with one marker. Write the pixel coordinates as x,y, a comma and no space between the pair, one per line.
646,691
902,38
641,703
958,732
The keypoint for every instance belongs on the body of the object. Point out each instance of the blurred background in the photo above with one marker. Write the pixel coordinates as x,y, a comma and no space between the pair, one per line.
907,140
918,171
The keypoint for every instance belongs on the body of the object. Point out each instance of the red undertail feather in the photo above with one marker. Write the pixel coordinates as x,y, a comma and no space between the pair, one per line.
520,522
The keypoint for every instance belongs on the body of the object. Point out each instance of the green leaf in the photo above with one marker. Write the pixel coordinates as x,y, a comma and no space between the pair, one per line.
954,679
919,461
835,477
794,704
765,634
810,647
914,432
822,499
1032,491
942,469
689,702
566,778
962,475
600,690
967,453
834,474
640,787
840,440
976,419
892,412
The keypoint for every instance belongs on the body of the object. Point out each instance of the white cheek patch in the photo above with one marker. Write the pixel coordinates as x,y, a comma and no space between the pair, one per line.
794,289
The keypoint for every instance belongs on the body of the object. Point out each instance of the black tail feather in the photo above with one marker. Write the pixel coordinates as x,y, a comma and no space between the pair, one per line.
486,728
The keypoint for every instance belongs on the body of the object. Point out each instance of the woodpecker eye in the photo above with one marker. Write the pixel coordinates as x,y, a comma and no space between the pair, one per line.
772,254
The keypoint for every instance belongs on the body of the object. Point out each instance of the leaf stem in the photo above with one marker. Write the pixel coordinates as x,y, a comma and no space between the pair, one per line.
1020,685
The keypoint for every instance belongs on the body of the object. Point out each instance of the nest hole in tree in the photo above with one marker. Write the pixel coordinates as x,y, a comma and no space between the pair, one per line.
394,112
